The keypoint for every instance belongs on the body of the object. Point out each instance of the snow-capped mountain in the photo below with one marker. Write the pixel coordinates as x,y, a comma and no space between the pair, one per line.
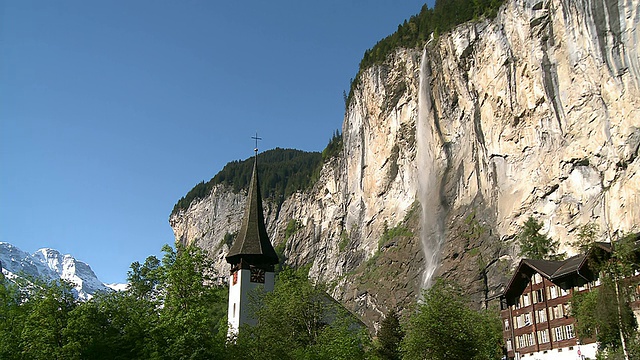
50,264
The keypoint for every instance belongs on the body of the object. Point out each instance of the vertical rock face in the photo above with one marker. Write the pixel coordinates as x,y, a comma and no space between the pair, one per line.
534,113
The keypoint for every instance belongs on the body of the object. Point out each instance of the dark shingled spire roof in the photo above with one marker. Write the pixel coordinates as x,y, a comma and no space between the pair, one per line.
252,243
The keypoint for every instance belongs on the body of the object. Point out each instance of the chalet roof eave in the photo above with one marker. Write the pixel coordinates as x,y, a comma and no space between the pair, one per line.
569,266
535,266
553,271
545,268
516,276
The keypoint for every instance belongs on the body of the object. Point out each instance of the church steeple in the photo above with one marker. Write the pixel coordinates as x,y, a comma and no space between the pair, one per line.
252,245
252,258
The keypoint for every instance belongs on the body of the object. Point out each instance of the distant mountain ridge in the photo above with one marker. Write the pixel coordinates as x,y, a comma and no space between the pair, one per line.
50,264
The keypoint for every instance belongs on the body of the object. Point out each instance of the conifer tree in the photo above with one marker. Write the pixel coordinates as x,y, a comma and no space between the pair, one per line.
535,245
389,337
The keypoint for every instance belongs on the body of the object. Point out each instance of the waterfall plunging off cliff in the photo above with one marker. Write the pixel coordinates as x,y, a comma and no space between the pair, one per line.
432,227
468,128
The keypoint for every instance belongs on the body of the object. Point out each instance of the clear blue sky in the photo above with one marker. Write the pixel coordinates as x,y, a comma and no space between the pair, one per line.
110,111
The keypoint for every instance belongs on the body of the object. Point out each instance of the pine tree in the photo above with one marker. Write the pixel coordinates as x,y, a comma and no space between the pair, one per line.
389,337
535,245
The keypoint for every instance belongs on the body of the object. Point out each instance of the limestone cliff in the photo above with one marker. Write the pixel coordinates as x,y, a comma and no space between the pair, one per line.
533,113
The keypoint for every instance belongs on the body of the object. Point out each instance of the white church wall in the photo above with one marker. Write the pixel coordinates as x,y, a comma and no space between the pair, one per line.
240,293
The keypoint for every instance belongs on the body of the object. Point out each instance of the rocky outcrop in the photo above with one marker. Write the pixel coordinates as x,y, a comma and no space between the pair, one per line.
534,113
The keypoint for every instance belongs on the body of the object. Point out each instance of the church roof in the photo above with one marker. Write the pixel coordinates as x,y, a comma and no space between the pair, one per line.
252,243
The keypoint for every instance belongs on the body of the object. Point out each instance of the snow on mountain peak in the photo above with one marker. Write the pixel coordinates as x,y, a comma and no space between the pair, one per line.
50,264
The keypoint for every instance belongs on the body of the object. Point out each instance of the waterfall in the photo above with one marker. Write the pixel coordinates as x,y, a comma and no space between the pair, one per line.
429,179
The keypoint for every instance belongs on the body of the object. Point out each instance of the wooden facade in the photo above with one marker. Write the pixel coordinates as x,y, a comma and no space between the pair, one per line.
540,318
536,306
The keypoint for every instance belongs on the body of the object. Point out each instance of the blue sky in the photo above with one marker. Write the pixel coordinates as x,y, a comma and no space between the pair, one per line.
110,111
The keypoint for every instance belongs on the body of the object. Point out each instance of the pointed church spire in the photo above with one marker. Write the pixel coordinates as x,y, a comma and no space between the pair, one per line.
252,245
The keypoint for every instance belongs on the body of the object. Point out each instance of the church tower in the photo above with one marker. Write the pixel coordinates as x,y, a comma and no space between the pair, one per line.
252,258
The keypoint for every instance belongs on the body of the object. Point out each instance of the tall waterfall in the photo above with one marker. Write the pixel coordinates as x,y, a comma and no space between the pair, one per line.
429,179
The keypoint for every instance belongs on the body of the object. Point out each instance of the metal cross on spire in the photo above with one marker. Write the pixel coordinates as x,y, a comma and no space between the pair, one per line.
256,138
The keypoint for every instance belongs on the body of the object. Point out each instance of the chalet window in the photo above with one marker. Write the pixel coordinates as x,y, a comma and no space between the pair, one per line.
568,329
525,300
559,334
538,296
506,324
537,279
541,315
635,295
558,311
521,320
553,292
530,340
564,292
543,336
509,346
524,340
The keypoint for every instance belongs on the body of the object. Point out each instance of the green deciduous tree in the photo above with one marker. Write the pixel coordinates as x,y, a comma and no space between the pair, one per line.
114,325
596,314
172,310
605,312
45,317
192,321
298,320
145,279
443,326
11,319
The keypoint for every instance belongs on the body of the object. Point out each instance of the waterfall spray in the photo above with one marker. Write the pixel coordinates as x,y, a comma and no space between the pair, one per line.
432,227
